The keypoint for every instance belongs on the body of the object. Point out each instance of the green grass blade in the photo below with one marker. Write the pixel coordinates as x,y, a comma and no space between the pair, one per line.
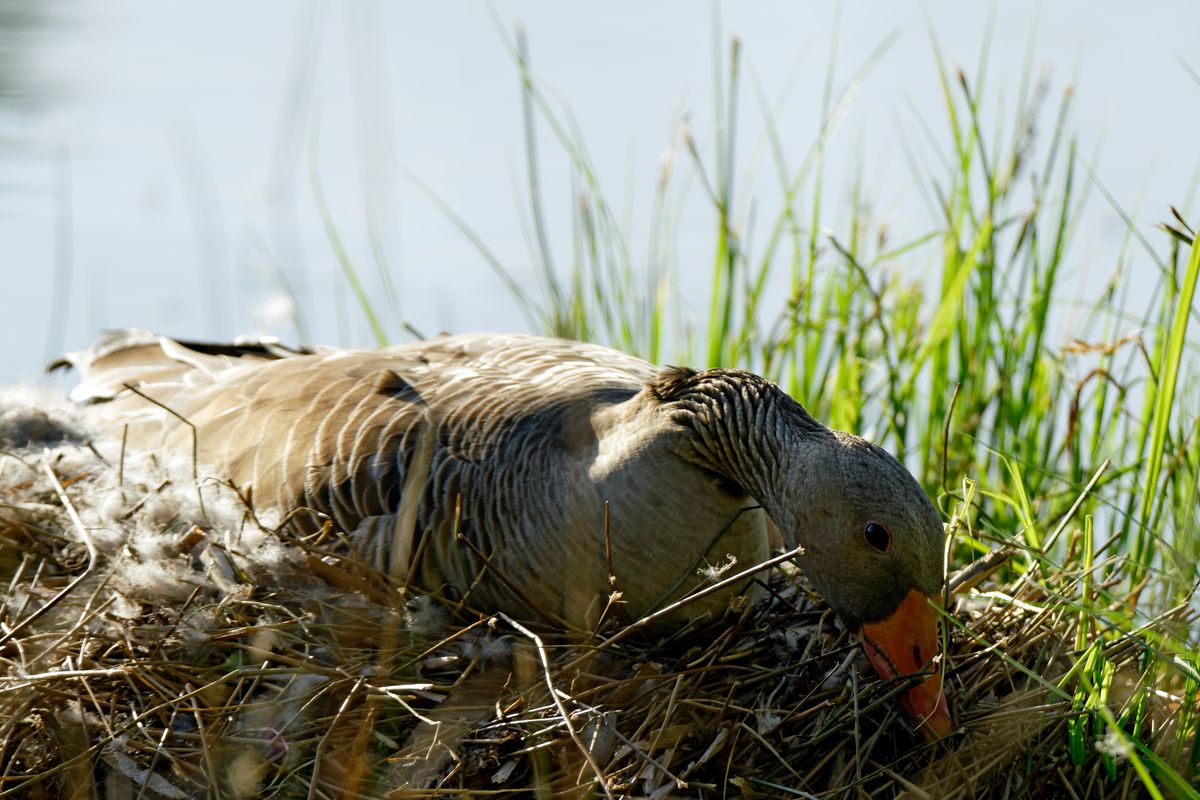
1168,375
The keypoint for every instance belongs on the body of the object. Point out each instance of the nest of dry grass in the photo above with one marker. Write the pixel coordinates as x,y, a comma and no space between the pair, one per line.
153,648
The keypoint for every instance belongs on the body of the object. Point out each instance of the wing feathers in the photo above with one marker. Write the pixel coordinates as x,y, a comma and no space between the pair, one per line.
509,421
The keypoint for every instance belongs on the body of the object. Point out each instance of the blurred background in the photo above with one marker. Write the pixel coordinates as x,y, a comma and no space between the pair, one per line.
165,164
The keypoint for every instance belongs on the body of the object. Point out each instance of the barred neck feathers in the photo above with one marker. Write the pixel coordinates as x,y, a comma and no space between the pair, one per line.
739,425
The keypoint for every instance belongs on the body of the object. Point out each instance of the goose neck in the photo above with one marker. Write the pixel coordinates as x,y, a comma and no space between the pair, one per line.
748,430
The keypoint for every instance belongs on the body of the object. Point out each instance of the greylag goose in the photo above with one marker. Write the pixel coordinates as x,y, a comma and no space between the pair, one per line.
556,462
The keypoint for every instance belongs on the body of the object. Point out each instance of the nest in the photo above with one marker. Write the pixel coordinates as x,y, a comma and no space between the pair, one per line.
156,645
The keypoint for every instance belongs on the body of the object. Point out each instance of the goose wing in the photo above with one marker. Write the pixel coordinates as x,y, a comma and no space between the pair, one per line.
503,422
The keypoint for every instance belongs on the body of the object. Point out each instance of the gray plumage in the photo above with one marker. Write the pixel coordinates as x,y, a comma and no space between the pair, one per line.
534,435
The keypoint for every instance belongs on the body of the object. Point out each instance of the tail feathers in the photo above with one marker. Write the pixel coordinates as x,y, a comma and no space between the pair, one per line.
131,357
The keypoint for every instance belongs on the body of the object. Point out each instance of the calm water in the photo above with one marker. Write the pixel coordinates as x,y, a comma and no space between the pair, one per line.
165,181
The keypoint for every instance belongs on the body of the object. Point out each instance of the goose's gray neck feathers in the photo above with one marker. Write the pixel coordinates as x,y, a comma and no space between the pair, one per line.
743,428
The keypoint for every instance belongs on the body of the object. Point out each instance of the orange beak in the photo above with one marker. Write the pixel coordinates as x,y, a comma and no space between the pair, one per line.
904,644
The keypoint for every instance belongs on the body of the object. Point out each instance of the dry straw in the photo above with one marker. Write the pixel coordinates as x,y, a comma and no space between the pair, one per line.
302,682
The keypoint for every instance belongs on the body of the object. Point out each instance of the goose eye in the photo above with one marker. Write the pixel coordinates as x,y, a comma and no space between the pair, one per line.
878,537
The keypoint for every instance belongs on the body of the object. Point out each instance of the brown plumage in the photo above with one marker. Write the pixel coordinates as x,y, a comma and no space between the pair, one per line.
534,436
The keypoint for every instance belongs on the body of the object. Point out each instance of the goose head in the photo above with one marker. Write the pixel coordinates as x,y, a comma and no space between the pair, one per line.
874,550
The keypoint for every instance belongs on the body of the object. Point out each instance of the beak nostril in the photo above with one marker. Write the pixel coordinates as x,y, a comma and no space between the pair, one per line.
917,656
